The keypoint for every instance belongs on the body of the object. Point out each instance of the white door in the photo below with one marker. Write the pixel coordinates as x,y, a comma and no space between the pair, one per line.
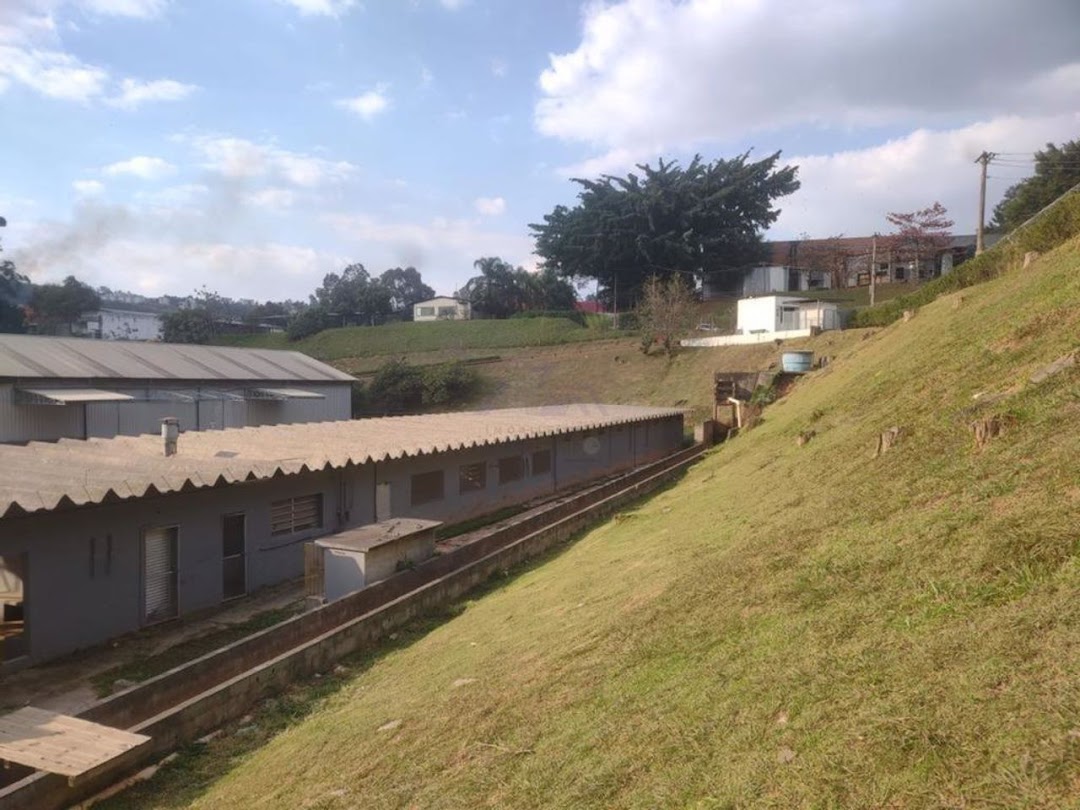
159,574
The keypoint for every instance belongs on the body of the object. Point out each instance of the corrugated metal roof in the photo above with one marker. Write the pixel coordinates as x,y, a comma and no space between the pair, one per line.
33,356
70,472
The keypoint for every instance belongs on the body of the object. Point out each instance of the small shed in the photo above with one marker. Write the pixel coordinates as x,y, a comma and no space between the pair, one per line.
348,561
783,313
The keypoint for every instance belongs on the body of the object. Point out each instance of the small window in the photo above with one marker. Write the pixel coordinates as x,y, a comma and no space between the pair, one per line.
541,462
472,477
427,312
296,514
511,468
447,312
426,487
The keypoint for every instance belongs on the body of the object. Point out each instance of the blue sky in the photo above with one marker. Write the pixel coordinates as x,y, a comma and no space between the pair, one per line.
253,145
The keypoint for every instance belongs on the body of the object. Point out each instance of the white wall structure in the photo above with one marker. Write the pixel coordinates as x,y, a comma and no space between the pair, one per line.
443,308
778,313
120,324
774,317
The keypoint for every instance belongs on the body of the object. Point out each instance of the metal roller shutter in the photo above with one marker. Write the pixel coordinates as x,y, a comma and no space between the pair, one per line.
159,575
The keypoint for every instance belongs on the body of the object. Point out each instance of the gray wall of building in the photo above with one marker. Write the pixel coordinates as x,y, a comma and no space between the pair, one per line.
73,603
21,423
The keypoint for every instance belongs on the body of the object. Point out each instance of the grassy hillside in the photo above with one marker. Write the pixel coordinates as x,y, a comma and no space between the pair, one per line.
408,338
789,626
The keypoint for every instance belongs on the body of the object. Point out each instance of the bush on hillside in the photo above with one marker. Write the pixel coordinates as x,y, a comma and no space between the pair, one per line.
566,314
1054,227
401,388
307,322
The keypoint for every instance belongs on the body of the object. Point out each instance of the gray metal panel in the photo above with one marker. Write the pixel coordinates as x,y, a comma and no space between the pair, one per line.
20,423
140,418
33,356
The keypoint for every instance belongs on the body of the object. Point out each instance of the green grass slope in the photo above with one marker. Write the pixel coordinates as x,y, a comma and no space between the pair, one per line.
408,338
787,627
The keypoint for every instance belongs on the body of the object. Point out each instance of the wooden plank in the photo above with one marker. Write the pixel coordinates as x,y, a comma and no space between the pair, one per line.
57,743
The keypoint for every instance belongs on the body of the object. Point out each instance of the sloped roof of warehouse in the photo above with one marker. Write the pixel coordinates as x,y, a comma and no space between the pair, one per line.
33,356
43,476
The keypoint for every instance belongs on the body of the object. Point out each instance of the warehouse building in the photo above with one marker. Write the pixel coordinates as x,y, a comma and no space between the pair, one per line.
105,536
53,388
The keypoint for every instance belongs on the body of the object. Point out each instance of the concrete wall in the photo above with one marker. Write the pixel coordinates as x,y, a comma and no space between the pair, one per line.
21,423
73,603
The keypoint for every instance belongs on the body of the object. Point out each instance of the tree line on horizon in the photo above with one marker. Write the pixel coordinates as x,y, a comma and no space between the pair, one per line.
704,220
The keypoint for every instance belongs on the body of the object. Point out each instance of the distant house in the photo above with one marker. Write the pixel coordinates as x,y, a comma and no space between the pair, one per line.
443,308
794,266
110,323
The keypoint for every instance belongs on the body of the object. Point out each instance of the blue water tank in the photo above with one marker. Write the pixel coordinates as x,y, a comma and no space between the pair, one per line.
797,362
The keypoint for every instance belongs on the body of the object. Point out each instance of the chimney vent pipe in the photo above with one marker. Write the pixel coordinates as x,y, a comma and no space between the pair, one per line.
170,432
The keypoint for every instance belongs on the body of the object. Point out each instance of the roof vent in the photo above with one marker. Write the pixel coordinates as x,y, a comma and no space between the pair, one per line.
170,432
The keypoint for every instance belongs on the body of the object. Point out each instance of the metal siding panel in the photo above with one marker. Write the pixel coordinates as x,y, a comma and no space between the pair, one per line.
20,423
138,418
102,419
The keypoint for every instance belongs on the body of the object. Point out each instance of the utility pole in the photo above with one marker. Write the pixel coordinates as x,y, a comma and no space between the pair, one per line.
873,269
984,159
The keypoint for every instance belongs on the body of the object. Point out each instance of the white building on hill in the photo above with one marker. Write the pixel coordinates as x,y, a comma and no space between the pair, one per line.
443,308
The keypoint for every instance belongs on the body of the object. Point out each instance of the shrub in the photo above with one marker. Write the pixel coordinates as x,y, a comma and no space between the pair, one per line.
450,384
396,387
400,388
565,314
307,322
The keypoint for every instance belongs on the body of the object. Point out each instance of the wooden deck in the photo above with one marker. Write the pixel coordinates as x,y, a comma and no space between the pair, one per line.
57,743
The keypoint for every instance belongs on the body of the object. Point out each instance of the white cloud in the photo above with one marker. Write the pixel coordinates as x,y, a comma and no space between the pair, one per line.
52,73
368,104
155,267
321,8
490,206
850,192
426,76
453,5
499,68
142,9
446,246
238,158
650,74
134,92
147,168
88,188
274,199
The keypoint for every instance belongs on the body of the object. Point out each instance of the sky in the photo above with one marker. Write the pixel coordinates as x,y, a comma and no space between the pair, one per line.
252,146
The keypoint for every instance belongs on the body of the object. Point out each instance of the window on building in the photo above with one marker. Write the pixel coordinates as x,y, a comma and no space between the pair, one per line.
898,274
472,477
447,312
426,487
541,462
511,468
293,515
427,312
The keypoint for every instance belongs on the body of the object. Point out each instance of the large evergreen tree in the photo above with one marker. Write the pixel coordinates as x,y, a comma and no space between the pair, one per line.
703,219
1057,169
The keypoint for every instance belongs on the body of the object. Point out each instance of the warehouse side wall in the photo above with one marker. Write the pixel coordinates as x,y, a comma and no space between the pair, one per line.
87,576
